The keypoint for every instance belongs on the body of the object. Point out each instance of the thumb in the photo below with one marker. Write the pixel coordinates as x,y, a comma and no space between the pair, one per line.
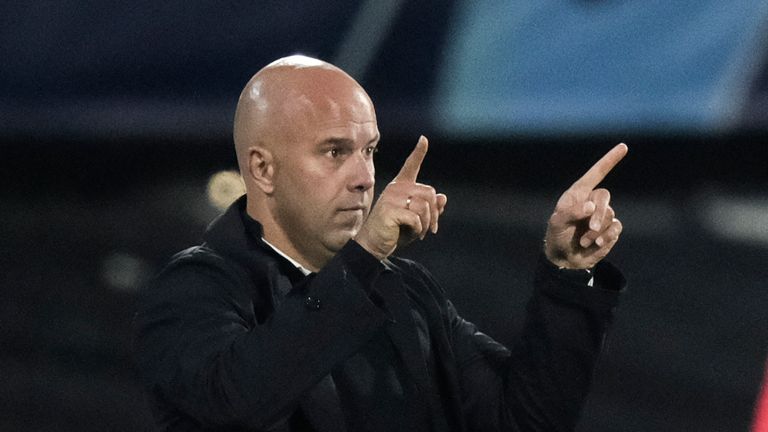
567,214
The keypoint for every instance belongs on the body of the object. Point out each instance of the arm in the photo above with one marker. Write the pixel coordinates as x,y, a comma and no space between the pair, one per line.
542,382
201,351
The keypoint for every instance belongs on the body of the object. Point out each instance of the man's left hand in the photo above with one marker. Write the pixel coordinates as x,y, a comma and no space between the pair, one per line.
583,228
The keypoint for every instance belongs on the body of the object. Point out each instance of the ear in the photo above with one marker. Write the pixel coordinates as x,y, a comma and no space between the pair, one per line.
261,168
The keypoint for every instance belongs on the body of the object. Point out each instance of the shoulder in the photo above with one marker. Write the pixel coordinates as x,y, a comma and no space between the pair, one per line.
196,273
202,261
201,255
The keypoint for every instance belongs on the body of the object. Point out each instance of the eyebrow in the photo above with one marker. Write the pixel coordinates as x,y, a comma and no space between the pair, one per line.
347,141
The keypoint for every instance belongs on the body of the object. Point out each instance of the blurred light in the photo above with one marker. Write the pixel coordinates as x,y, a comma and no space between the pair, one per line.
224,188
124,272
740,219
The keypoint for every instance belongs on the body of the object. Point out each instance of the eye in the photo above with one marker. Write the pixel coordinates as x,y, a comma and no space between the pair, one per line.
371,150
334,152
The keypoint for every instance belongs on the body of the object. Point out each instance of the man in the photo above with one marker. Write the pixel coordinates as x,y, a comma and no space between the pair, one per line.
294,315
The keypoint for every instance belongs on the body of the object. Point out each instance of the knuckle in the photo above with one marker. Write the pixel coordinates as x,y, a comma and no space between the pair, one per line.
615,233
426,208
602,194
427,191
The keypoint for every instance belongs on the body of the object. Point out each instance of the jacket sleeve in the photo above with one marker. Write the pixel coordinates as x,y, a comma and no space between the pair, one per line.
202,356
540,383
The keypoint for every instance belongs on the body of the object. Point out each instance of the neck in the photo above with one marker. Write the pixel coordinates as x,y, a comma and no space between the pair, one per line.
277,237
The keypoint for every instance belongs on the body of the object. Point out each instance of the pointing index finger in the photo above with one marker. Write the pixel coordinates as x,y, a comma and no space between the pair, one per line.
601,168
410,169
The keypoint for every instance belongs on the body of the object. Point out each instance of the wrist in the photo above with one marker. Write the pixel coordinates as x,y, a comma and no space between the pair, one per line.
361,240
559,258
581,276
555,257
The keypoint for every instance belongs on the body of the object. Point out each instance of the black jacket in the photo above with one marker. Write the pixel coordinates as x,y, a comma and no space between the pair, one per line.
230,336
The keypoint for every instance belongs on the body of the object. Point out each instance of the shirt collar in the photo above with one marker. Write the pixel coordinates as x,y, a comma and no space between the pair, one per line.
296,264
255,233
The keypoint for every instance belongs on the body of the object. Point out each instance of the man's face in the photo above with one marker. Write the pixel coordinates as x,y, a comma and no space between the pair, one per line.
324,176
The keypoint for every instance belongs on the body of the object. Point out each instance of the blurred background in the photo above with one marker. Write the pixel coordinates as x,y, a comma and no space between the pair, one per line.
115,119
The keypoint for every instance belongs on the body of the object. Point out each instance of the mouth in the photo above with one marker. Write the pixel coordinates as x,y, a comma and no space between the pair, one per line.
353,208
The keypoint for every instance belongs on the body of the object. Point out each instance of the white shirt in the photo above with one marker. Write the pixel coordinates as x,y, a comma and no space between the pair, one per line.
291,260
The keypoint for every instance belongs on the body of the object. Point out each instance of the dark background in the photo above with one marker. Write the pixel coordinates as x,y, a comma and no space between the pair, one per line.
114,116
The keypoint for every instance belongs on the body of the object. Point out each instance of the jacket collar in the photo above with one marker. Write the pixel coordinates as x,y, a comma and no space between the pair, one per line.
237,236
227,233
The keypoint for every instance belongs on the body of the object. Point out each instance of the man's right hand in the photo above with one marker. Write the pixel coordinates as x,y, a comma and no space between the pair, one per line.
406,210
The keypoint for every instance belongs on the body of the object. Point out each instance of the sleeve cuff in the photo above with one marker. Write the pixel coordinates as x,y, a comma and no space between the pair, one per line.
571,285
361,264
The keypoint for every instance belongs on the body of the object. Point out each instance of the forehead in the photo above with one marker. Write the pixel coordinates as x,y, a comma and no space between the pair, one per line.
323,107
347,134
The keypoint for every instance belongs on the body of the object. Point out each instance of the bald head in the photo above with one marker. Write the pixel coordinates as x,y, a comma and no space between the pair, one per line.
288,94
305,133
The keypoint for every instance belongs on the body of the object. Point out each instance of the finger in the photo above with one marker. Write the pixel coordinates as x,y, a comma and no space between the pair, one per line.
410,169
433,215
567,214
598,238
422,209
610,236
607,224
430,198
570,207
430,216
601,168
428,195
592,235
601,198
409,222
442,200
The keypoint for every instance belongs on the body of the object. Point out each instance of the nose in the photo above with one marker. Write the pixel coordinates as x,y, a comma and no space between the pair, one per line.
362,176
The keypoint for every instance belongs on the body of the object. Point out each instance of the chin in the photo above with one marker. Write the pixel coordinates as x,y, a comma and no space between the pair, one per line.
338,241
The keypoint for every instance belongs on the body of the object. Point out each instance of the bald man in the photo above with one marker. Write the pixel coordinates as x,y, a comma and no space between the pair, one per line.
294,315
